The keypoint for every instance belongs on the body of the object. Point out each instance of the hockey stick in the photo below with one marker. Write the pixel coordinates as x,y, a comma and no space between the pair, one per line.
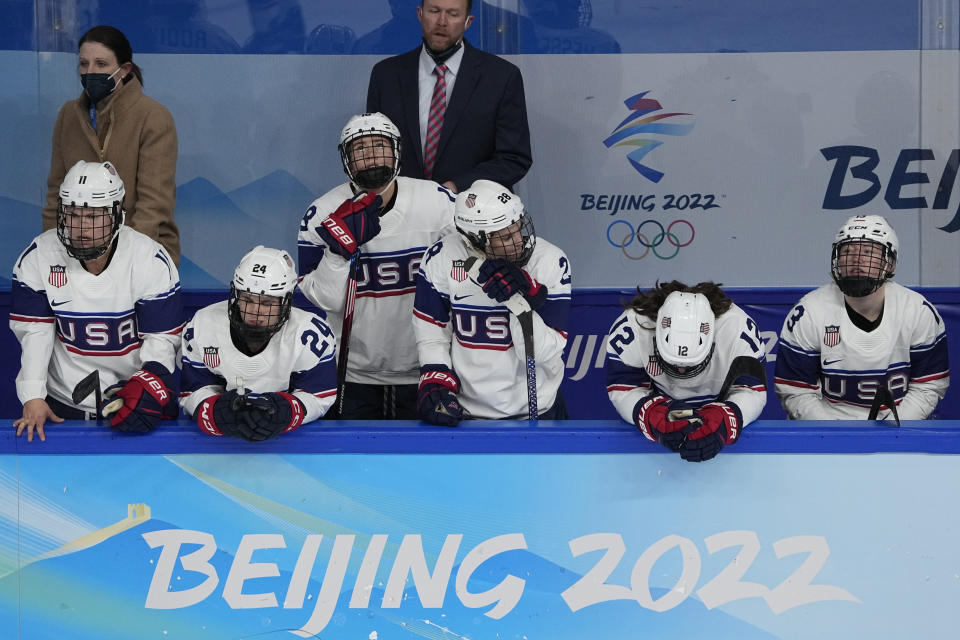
348,307
90,384
519,307
883,397
741,366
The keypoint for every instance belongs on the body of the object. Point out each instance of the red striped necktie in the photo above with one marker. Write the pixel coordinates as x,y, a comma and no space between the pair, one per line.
438,105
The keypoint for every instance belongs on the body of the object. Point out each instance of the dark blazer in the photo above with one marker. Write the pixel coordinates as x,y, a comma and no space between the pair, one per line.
485,132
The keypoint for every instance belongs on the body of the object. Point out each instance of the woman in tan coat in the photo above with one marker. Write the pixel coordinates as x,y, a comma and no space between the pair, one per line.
114,121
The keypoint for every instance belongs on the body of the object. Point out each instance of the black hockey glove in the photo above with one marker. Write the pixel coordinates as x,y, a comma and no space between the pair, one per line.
267,415
501,279
217,415
353,224
721,425
253,417
137,404
437,396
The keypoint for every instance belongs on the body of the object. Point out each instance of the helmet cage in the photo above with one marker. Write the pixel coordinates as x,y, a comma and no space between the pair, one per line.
247,313
679,371
851,252
383,161
104,226
513,246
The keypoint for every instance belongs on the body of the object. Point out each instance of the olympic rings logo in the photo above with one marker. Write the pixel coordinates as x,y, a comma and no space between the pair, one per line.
621,234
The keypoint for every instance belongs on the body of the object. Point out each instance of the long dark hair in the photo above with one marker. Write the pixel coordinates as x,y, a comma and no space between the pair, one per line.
647,303
113,39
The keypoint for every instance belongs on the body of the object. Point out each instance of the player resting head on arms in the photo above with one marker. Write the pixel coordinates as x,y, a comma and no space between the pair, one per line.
685,365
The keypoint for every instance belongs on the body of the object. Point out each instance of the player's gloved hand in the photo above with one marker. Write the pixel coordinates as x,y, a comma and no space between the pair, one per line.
722,424
217,415
501,279
139,403
437,396
353,224
651,415
269,414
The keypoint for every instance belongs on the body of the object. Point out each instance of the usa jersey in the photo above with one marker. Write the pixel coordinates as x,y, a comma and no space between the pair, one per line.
634,371
830,369
299,359
70,322
383,349
459,326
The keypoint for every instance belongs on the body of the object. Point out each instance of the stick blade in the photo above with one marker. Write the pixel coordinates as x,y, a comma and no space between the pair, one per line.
85,387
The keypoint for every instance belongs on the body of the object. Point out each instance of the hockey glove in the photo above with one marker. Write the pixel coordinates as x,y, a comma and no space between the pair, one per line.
501,279
437,396
722,423
353,224
651,416
139,403
266,415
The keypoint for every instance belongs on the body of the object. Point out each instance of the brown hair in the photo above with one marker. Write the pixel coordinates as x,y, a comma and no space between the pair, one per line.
113,39
649,302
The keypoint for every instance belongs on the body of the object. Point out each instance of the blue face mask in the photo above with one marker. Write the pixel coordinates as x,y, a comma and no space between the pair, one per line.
99,85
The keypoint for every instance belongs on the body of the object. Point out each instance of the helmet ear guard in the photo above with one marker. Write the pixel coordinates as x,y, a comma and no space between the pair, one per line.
264,279
684,334
486,208
90,185
864,255
384,164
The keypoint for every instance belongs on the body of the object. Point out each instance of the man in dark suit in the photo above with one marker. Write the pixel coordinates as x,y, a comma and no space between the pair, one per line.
479,130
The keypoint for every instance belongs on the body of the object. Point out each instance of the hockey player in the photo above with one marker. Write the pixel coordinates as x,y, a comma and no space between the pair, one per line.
95,295
668,357
860,333
471,348
254,366
388,222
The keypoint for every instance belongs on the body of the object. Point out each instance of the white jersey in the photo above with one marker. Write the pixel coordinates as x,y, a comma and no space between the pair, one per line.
459,326
299,359
70,322
383,349
829,369
634,371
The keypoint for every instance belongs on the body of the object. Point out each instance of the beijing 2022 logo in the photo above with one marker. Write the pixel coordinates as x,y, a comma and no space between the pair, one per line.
632,131
638,239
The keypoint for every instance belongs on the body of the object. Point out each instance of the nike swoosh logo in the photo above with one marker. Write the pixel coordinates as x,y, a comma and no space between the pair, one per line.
462,297
57,304
829,362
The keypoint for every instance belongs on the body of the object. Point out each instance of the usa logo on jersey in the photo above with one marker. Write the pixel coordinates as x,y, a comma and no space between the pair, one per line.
58,275
457,272
653,367
211,357
831,335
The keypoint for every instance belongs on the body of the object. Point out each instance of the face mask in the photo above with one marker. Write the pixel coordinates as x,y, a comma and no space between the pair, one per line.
440,57
99,85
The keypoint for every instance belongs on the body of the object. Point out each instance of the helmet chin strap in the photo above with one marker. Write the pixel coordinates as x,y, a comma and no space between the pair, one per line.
442,56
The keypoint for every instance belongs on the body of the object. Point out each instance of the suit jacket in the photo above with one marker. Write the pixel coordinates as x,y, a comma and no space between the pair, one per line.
485,132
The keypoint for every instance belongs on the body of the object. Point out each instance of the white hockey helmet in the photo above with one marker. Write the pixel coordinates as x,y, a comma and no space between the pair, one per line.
852,247
90,185
263,273
382,164
685,329
487,207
